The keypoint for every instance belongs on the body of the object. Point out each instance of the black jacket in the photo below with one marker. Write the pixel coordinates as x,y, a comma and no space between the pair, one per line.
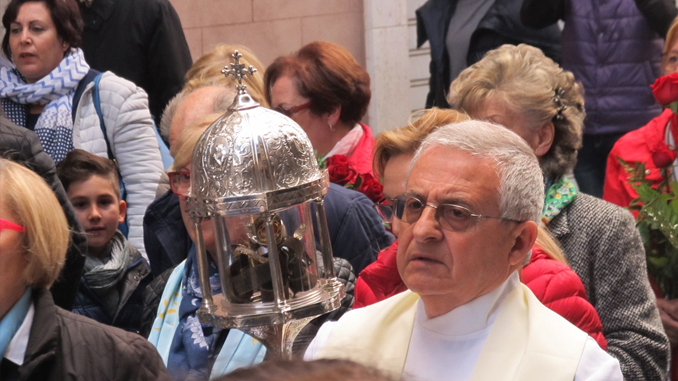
131,288
500,25
23,146
141,41
63,346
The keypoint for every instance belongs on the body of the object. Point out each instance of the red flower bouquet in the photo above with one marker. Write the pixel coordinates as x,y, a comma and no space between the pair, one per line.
342,172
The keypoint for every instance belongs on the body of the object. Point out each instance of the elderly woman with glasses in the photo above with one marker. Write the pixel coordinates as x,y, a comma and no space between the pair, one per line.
522,89
547,273
38,340
326,92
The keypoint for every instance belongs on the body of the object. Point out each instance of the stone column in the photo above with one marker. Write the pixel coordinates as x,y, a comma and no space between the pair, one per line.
387,62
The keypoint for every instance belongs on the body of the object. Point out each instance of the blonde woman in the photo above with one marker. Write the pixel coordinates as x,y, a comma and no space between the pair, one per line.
39,340
528,93
206,70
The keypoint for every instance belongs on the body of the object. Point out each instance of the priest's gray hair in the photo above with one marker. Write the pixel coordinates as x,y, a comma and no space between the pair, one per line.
521,184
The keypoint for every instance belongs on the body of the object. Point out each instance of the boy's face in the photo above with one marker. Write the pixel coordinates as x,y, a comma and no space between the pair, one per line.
98,209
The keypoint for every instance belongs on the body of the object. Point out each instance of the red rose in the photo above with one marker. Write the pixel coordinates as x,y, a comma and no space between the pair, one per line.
665,89
371,188
663,157
340,170
340,160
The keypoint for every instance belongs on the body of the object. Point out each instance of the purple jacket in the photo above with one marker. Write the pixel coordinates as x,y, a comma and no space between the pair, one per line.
611,48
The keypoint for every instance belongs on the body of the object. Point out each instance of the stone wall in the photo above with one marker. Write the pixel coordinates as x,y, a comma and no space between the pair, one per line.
271,28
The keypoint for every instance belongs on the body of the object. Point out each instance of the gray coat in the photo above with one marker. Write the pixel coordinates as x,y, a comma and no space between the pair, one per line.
604,248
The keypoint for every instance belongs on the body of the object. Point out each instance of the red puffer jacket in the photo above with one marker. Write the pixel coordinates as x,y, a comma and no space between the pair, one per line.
555,284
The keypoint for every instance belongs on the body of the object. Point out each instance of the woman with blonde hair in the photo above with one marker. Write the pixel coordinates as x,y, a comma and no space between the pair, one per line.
206,70
546,274
37,339
522,89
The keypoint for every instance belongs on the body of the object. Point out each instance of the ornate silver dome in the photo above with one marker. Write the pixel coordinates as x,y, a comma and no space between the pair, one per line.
252,159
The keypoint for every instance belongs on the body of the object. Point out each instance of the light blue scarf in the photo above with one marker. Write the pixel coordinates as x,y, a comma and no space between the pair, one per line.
10,324
56,90
239,350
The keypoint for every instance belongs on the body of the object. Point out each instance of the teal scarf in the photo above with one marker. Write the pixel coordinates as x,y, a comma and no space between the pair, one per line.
559,194
10,324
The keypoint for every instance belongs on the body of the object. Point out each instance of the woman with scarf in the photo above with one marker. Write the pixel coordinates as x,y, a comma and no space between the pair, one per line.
522,89
38,340
52,91
324,90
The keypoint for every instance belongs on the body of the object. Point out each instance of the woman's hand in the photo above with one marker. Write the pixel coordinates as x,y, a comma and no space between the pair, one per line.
668,311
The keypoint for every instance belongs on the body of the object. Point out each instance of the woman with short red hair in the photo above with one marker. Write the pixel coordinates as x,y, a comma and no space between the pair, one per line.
324,89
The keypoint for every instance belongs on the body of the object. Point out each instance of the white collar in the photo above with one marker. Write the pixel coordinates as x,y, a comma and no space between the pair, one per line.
16,350
347,144
470,318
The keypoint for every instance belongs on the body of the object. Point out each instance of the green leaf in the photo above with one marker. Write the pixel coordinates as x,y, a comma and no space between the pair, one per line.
658,261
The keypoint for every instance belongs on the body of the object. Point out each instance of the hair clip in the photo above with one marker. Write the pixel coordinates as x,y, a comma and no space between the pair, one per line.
560,106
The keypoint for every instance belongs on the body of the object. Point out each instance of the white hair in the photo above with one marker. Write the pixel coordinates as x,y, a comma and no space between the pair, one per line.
521,183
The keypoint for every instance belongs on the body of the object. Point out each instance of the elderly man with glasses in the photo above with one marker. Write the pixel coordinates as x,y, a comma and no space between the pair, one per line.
474,194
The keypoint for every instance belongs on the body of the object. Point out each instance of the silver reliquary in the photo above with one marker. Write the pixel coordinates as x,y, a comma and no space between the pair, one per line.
255,175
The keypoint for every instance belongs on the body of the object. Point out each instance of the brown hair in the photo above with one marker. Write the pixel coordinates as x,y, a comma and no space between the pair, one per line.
406,140
29,199
80,165
298,370
65,15
328,76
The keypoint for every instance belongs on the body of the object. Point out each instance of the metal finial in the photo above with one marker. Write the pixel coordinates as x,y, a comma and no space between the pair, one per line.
238,71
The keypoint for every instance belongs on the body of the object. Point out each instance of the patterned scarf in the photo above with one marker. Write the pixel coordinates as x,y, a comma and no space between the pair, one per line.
193,343
559,194
55,124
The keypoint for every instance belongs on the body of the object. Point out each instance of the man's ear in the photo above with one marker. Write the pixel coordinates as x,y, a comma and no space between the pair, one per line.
525,235
123,211
545,135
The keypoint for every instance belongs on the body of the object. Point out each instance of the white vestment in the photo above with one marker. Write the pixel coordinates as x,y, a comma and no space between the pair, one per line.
450,346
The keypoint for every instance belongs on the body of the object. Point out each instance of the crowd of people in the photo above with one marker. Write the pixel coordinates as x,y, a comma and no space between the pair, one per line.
488,255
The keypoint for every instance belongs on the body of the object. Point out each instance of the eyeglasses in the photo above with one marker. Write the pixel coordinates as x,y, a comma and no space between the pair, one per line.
9,225
449,216
288,112
385,209
180,182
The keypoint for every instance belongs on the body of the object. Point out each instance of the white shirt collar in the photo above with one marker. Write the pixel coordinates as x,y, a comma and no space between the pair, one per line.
472,317
16,350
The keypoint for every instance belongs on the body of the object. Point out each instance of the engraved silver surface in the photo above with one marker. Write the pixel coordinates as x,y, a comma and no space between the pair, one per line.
257,162
252,152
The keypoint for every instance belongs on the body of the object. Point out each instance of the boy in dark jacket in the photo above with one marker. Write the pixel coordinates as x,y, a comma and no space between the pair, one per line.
115,274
